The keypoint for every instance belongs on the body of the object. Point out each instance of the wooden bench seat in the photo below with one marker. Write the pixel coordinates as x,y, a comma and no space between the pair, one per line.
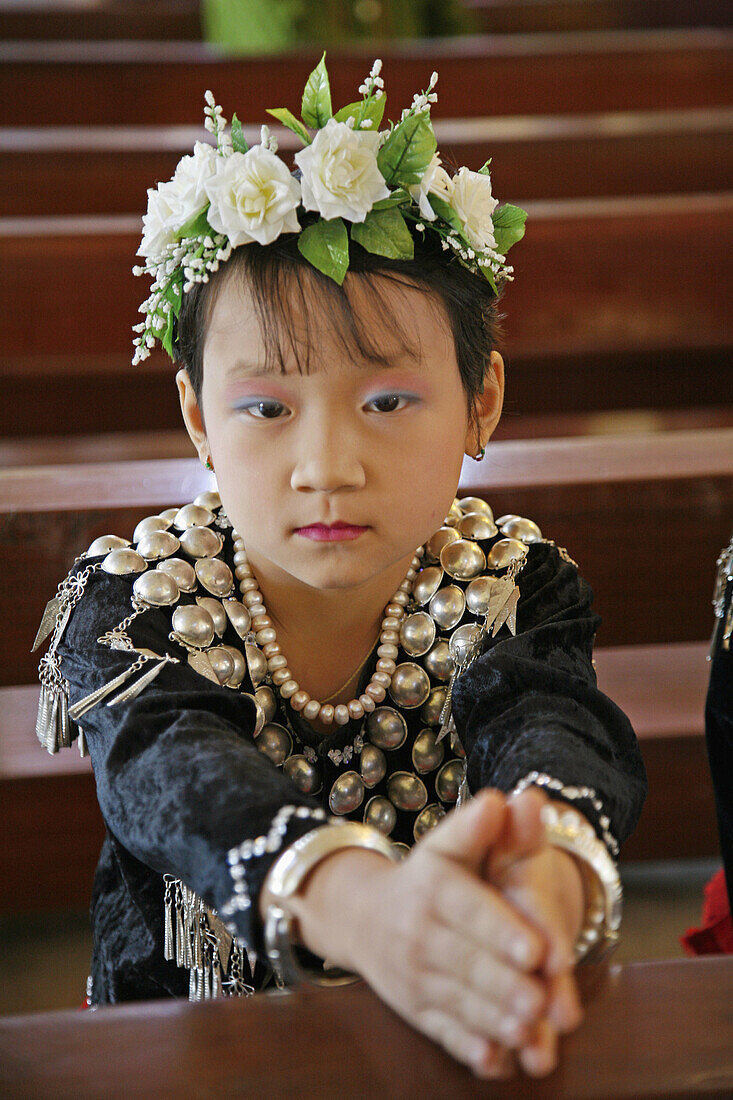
606,306
53,827
531,17
97,170
644,515
148,83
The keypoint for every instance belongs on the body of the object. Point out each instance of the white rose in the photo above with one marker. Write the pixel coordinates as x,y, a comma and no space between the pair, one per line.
253,197
192,175
341,178
473,202
435,181
160,222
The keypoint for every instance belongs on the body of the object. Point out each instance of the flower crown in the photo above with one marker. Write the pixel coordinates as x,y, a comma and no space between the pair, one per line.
351,173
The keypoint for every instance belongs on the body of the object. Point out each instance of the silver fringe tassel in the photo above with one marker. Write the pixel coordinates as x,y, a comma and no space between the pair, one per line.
202,945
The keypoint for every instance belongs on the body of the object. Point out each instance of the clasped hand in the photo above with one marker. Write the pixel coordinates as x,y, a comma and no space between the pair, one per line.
470,938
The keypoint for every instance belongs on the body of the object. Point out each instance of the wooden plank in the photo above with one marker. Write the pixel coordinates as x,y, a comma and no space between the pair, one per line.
107,170
143,83
311,1042
89,20
541,16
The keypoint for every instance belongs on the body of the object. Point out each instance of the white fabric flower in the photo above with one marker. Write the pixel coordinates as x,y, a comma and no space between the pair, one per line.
160,222
253,197
192,175
435,181
473,202
341,178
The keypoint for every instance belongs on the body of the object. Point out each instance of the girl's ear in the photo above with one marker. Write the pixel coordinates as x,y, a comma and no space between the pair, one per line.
192,417
488,406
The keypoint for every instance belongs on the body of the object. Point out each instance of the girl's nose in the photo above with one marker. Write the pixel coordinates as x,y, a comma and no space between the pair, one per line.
327,461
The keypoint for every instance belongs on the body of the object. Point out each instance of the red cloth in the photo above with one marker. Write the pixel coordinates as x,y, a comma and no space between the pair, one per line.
716,935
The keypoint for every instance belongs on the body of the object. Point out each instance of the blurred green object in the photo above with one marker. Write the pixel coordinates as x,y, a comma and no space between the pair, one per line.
272,26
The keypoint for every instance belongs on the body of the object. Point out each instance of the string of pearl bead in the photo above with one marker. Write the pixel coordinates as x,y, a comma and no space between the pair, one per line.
277,664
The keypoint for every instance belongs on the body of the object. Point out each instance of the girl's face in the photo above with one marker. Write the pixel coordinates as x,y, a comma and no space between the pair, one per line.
374,450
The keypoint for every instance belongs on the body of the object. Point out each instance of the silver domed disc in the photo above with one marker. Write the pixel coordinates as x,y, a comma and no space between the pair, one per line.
417,633
193,625
427,755
380,814
148,525
274,741
347,793
240,666
463,559
520,528
239,616
183,573
433,707
410,685
406,791
427,819
463,640
105,543
427,584
256,663
372,765
209,499
478,594
475,504
386,728
215,576
201,542
157,545
475,525
305,776
448,780
447,606
442,537
504,552
169,513
439,661
216,611
122,561
155,589
265,696
192,515
505,519
222,663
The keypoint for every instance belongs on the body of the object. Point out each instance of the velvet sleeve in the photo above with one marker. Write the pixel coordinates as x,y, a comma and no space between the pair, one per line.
180,781
528,710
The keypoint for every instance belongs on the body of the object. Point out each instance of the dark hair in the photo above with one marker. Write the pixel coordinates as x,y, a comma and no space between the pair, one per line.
274,272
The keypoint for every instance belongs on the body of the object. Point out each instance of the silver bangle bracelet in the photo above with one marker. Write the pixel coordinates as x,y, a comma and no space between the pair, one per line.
284,878
567,829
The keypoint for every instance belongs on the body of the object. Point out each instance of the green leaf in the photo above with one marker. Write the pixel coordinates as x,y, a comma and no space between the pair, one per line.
282,114
407,151
325,244
484,169
489,276
238,143
316,108
445,211
370,108
197,226
167,337
385,233
508,226
173,292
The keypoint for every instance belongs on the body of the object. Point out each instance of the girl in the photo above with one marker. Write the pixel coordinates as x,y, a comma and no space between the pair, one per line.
291,688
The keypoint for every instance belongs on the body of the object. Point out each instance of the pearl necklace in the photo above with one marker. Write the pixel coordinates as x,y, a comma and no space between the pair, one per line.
277,664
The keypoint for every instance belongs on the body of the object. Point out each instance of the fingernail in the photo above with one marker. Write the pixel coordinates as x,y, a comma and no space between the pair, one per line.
525,1005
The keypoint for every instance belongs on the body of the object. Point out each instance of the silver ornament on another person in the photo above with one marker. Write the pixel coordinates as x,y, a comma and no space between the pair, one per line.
275,742
380,814
410,685
407,791
386,728
417,633
347,793
463,559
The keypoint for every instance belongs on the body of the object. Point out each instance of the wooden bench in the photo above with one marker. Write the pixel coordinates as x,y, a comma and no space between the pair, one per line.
533,17
53,828
148,83
107,170
176,20
582,298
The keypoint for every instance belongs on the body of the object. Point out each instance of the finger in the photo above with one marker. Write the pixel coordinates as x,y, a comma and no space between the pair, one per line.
497,1064
461,1043
564,1009
539,1057
467,834
478,912
523,833
474,966
473,1013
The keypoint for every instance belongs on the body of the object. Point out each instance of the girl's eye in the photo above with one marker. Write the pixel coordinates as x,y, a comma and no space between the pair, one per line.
264,410
389,402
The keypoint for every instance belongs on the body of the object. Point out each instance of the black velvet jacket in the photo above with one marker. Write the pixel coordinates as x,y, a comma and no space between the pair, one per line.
719,727
180,780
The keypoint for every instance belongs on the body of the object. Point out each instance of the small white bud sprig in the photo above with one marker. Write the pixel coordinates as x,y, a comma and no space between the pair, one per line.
215,123
423,101
373,84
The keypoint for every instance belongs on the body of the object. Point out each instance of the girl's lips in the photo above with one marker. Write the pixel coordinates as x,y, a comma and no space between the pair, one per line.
336,532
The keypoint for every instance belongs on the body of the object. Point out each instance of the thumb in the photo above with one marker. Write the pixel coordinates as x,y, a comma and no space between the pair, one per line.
523,833
468,833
